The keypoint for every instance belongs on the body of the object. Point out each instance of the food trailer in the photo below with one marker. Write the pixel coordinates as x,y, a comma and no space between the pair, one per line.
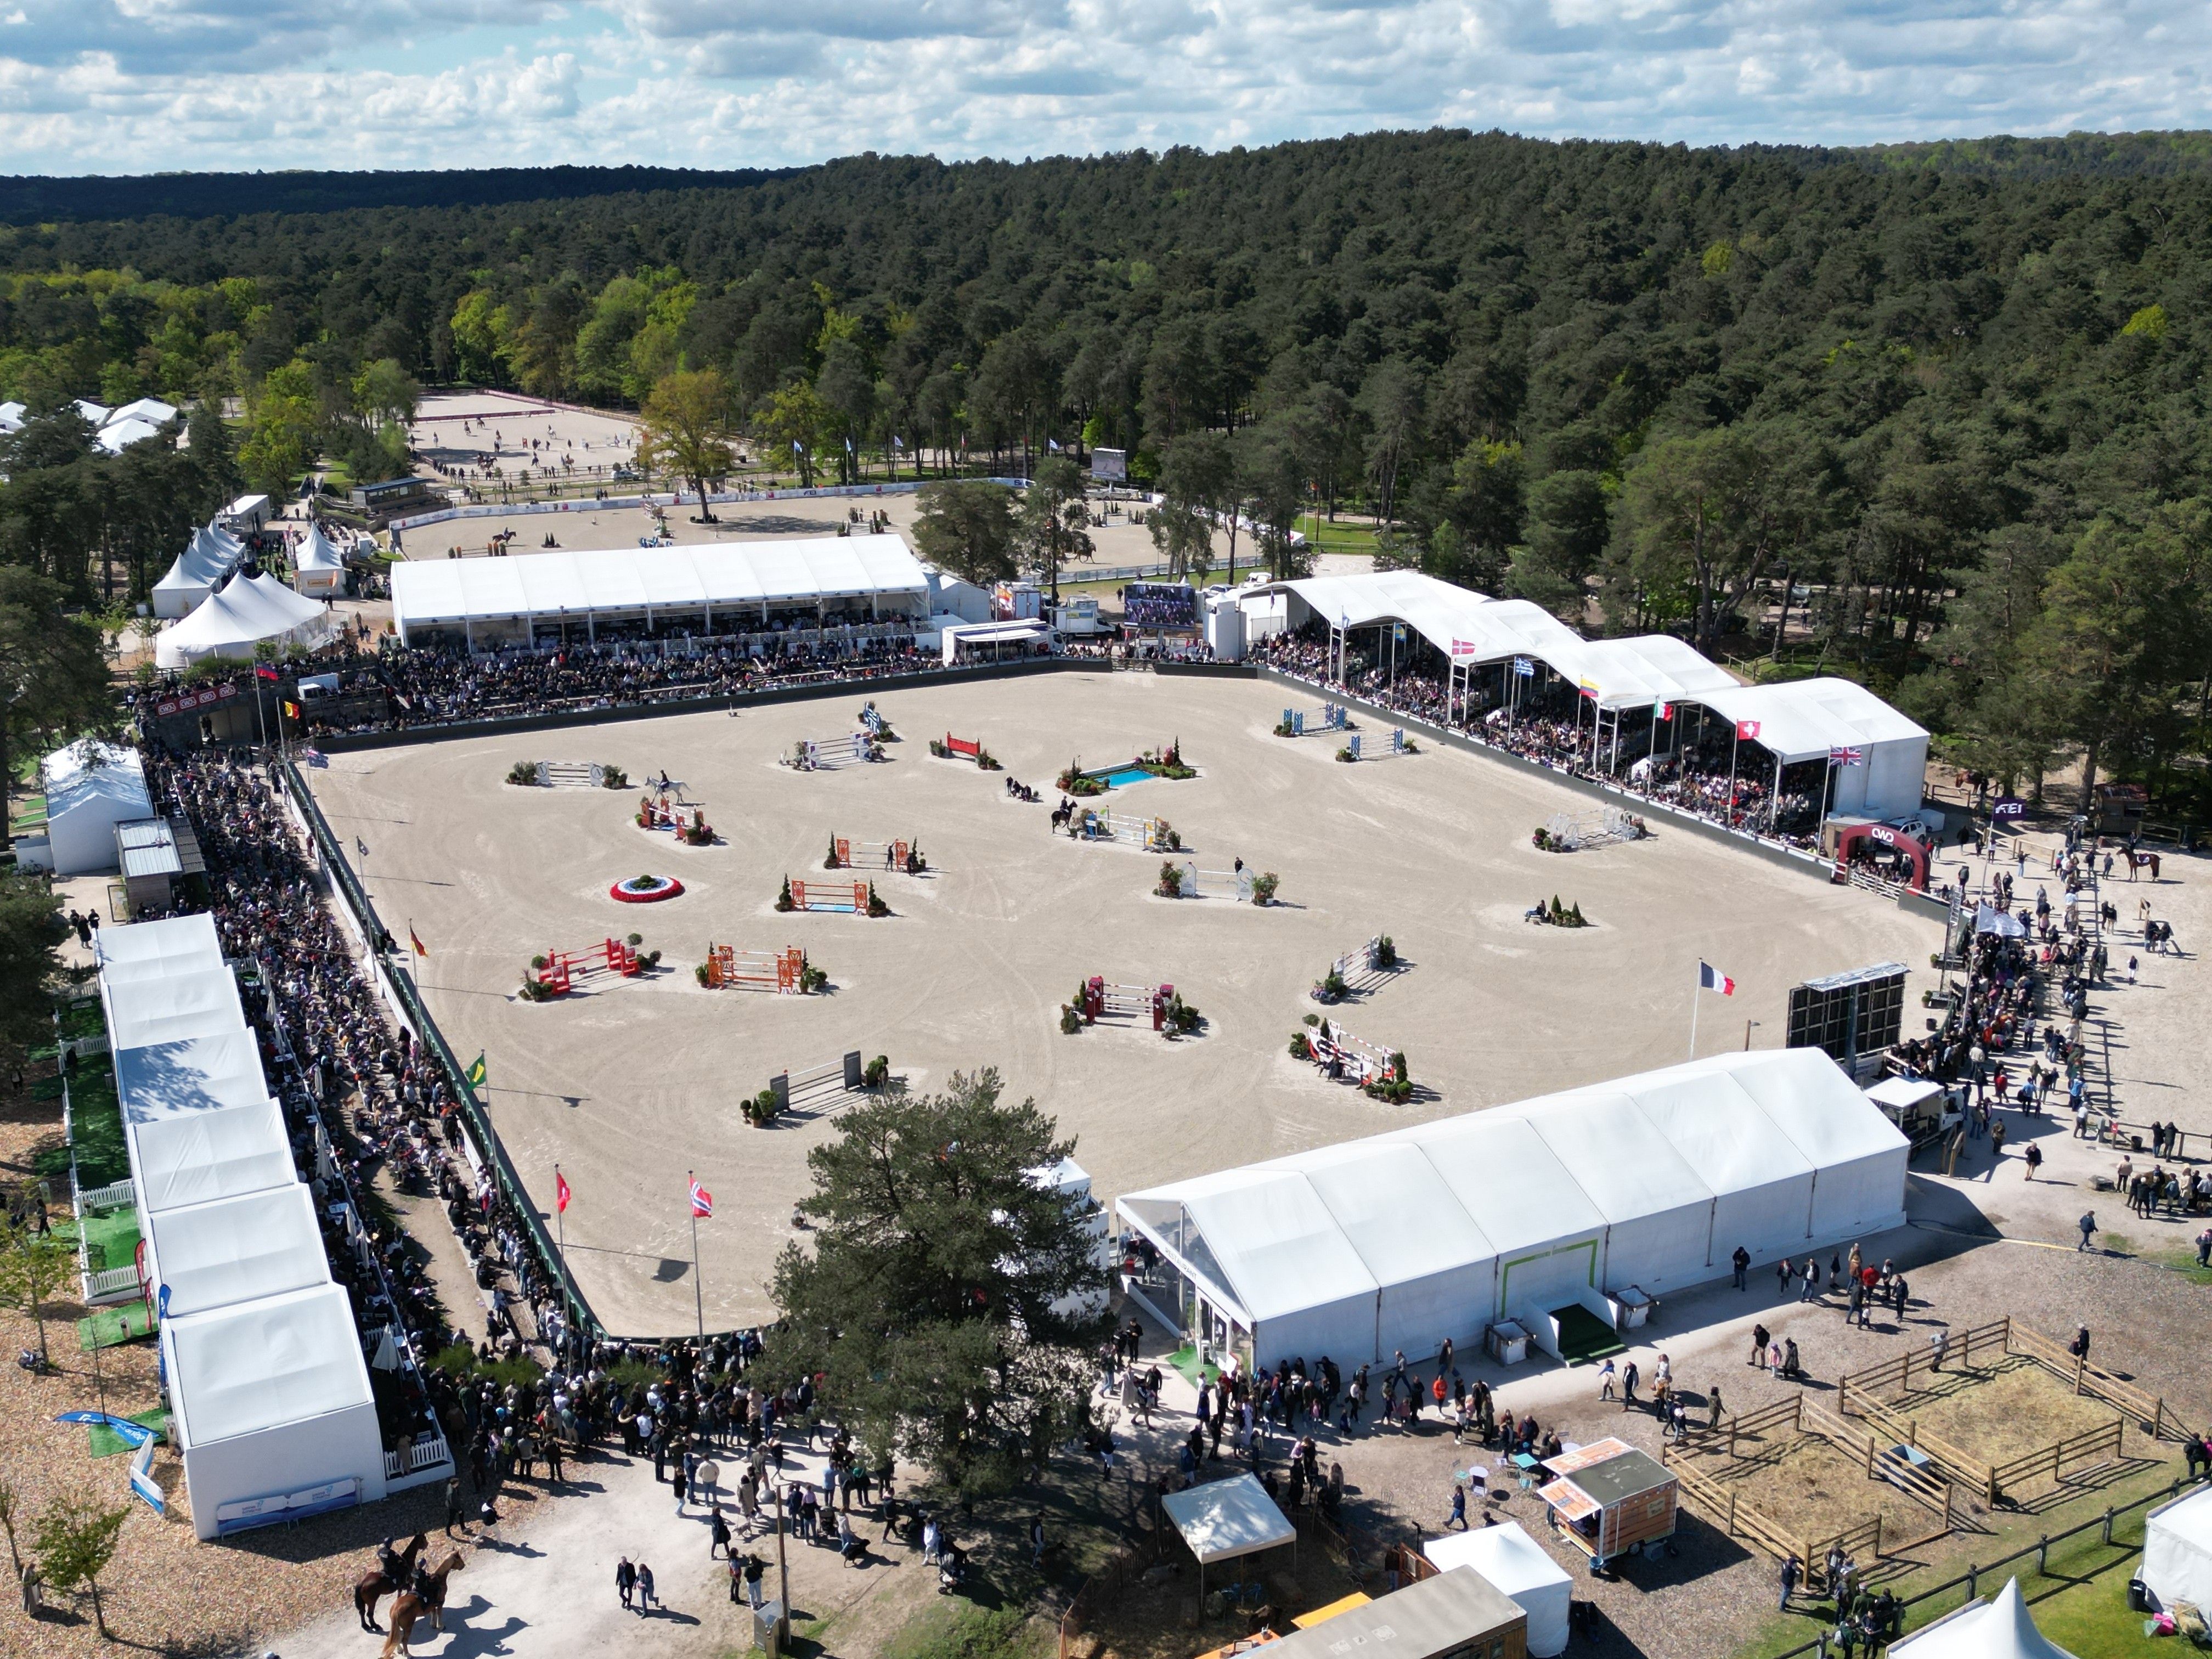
1608,1498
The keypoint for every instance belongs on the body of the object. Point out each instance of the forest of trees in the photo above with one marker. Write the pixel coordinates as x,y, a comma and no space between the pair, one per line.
1955,393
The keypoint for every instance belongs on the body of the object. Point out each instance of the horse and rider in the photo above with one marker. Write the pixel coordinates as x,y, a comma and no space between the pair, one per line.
394,1572
424,1597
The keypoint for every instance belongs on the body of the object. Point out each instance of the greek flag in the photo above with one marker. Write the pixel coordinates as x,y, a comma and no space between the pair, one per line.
1523,667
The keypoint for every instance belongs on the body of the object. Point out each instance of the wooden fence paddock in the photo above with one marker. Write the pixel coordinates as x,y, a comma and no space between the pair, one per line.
1861,1395
1749,1438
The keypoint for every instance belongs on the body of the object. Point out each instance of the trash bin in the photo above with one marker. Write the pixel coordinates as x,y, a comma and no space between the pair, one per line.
2138,1597
768,1628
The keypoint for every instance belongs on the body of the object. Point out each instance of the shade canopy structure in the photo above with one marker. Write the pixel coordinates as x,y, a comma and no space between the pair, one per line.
1516,1564
1999,1628
273,1413
204,1158
90,787
245,612
1224,1520
1793,721
1439,1230
2177,1564
199,1002
317,568
670,587
206,1073
204,565
154,950
240,1249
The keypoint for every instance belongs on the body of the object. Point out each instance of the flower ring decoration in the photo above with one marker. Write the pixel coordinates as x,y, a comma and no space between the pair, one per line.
646,890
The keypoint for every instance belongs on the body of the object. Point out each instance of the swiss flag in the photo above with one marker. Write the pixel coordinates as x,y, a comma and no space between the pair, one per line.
1748,730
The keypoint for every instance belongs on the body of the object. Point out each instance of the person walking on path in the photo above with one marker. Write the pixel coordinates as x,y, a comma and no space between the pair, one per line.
644,1588
1939,1340
1629,1377
2079,1347
626,1582
1607,1377
457,1507
1759,1335
1458,1517
1742,1262
1790,1576
719,1534
2033,1158
2088,1226
1713,1406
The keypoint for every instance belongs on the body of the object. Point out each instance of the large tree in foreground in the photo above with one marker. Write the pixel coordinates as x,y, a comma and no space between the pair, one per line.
687,431
966,528
944,1300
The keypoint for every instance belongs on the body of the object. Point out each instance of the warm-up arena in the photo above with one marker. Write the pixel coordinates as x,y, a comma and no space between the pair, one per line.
629,1082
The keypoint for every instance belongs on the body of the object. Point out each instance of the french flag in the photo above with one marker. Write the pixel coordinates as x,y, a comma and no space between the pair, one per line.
1710,978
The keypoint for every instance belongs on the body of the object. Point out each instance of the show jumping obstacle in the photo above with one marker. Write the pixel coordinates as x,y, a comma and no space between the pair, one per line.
1330,717
1225,883
827,754
964,748
666,814
847,898
563,969
570,774
891,856
1103,1001
1363,1061
810,1085
1088,824
732,970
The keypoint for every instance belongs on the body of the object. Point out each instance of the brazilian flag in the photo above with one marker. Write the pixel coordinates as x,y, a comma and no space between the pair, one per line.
476,1072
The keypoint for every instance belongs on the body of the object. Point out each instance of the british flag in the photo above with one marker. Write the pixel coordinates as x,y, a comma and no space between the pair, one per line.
1843,756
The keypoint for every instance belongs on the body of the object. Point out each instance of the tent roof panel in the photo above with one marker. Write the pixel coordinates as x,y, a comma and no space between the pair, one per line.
1278,1245
1503,1171
199,1003
1720,1131
158,945
1395,1211
262,1364
1222,1519
87,771
158,1080
1637,1174
209,1156
239,1249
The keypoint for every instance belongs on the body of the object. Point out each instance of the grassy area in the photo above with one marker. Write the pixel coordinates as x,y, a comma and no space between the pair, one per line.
96,1115
961,1630
2177,1259
26,815
2080,1598
110,1238
104,1442
109,1327
1340,537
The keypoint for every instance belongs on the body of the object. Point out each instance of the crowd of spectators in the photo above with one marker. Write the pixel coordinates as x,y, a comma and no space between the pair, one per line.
1696,780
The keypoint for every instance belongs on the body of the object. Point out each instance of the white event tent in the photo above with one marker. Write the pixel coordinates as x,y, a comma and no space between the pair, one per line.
1518,1566
317,566
208,559
244,612
1794,722
2177,1564
2000,1628
274,1416
1526,1210
236,1250
666,587
1227,1520
274,1413
90,787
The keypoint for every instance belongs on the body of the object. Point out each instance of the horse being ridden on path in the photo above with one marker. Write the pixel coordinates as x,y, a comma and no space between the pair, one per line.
408,1607
376,1582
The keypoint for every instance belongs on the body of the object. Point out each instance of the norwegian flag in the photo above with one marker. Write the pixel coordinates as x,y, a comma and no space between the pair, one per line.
702,1201
1710,978
1846,757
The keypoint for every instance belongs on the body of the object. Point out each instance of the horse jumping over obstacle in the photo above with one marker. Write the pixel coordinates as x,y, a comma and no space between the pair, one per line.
781,971
1104,1001
894,857
563,968
666,814
1330,717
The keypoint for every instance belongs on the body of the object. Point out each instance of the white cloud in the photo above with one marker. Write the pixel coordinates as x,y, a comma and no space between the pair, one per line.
130,85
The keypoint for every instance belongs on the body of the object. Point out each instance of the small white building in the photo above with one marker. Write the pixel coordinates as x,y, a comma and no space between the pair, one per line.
245,515
90,787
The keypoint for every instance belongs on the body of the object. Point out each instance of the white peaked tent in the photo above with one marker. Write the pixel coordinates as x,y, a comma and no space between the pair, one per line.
168,943
244,612
152,410
236,1250
211,555
1516,1565
1441,1228
191,1076
197,1003
274,1417
2177,1551
119,435
317,567
202,1157
2000,1628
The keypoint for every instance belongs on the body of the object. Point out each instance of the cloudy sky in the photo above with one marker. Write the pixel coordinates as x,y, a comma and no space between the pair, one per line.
130,86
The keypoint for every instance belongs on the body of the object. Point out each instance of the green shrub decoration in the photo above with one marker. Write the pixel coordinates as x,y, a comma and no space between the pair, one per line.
523,772
783,900
1263,888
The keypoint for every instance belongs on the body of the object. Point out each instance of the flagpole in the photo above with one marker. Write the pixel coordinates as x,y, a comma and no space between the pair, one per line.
698,1293
1694,1010
561,1244
1728,806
